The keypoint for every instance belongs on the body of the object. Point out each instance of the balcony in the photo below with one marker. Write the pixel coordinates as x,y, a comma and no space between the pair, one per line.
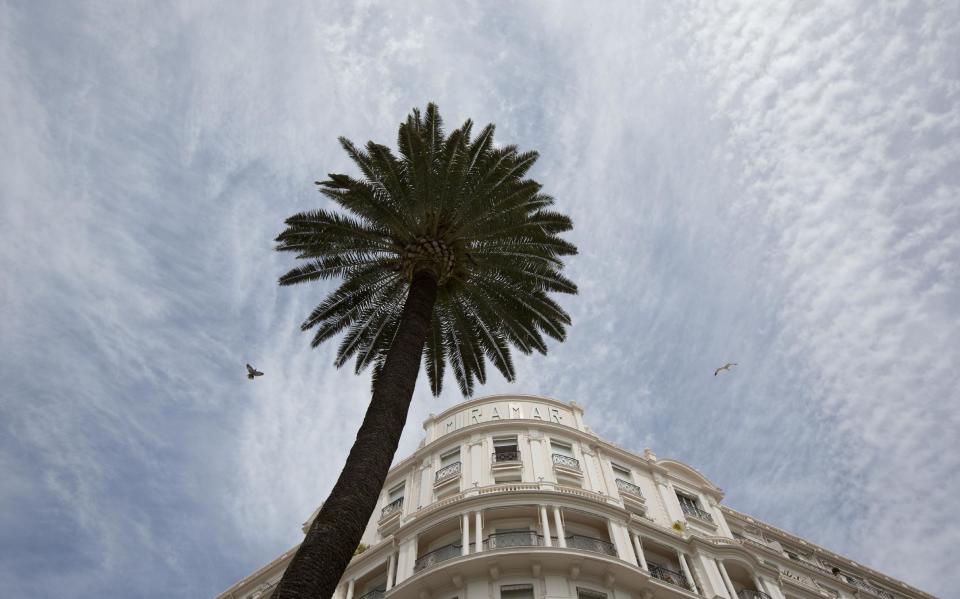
448,472
692,510
374,594
514,538
391,508
437,555
626,486
749,594
667,575
566,461
591,544
506,456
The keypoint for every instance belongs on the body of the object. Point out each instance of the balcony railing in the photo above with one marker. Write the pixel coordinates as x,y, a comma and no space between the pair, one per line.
667,575
390,508
591,544
506,456
628,487
436,556
749,594
374,594
514,538
692,510
448,471
566,461
866,586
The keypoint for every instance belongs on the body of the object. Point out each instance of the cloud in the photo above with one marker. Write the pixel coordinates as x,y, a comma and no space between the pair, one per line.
772,185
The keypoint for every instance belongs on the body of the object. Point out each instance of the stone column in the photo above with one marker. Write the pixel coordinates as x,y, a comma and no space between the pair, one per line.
726,580
391,570
465,534
350,589
478,532
758,582
687,572
638,547
558,523
406,558
545,527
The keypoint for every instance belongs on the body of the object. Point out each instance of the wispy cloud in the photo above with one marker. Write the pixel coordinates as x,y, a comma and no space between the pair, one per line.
774,185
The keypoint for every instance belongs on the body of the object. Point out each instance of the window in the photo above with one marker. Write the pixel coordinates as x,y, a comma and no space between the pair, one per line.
505,449
449,466
395,493
561,448
451,457
691,507
621,472
516,591
394,501
583,593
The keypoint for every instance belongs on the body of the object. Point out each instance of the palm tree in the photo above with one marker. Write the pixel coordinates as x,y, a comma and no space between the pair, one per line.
447,252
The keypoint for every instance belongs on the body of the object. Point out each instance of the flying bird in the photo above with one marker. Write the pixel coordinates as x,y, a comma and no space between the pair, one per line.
252,372
724,367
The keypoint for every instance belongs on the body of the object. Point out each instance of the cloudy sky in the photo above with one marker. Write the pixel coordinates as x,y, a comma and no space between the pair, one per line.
771,183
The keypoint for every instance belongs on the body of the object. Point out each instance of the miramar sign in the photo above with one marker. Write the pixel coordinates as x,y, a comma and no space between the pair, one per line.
503,410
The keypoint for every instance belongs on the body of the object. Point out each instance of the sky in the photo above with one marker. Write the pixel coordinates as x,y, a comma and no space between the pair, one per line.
775,184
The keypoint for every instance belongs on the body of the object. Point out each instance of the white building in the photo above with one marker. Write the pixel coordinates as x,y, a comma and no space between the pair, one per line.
513,497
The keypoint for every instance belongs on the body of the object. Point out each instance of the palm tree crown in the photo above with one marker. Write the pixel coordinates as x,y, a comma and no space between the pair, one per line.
453,206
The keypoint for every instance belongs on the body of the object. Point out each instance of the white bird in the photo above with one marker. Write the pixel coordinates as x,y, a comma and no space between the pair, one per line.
252,372
724,367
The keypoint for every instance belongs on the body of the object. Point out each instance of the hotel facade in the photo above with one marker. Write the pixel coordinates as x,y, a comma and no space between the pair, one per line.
513,497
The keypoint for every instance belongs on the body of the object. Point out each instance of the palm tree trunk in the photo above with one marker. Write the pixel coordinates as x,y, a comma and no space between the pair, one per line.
335,533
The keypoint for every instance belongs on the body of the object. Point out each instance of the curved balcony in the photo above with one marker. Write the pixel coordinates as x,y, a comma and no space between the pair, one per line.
667,575
514,538
436,556
591,544
374,594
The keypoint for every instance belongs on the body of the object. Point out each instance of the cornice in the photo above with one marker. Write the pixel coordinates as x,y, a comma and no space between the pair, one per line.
570,405
854,567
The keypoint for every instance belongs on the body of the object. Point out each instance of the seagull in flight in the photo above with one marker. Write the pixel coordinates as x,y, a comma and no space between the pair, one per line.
715,372
252,372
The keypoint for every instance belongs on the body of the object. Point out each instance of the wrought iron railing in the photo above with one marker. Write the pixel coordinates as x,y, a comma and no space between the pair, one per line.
393,506
628,487
436,556
566,461
692,510
514,538
667,575
374,594
591,544
750,594
506,456
448,471
863,584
